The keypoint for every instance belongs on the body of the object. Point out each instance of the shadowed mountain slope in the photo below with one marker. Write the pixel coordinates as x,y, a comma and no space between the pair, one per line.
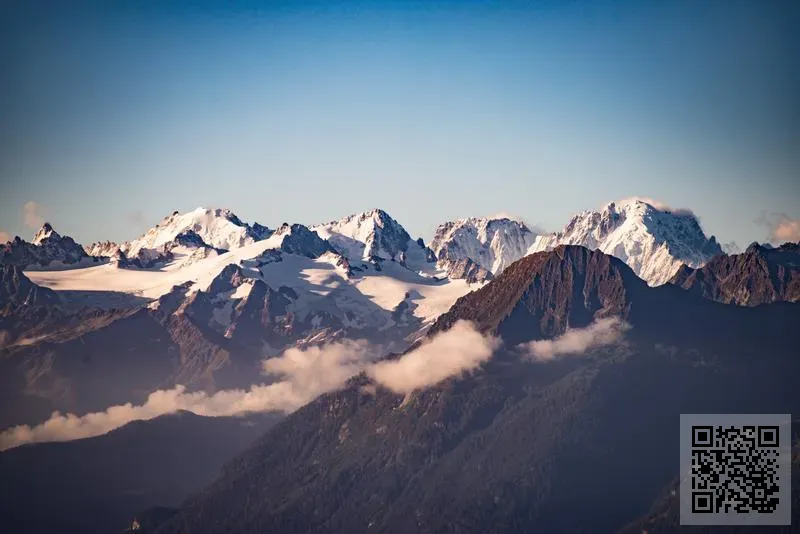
516,446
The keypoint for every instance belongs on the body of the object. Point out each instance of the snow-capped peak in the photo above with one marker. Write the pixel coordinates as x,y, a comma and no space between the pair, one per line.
492,243
45,232
653,241
363,236
217,228
48,249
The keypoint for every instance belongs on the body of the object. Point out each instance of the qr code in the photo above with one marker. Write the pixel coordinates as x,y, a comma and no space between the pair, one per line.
735,469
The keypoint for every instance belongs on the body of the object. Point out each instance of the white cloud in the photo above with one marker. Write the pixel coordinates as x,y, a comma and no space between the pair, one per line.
306,373
506,215
660,205
450,353
577,341
785,229
535,228
33,214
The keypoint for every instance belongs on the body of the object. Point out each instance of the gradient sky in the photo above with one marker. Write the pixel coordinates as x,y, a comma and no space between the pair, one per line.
113,116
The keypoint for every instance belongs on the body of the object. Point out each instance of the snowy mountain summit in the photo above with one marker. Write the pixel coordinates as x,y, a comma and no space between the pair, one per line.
217,228
189,236
48,249
653,241
374,236
483,245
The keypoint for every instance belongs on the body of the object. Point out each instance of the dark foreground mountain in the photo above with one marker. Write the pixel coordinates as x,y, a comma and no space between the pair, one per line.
98,484
757,276
664,516
578,444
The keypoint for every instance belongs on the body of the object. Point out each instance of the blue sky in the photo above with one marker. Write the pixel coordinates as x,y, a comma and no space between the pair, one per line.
113,116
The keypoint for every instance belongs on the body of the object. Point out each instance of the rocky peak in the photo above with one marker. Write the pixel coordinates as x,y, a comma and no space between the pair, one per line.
46,248
301,240
365,236
45,232
546,292
757,276
102,249
653,240
492,244
217,228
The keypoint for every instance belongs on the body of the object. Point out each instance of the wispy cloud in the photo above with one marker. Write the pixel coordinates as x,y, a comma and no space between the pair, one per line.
33,214
304,375
452,353
577,341
136,217
661,205
785,229
533,227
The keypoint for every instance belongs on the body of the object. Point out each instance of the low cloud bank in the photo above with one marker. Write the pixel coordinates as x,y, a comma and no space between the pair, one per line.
304,375
307,373
577,341
452,353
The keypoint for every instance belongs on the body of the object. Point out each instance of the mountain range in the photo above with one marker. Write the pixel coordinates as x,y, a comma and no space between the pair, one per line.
581,444
585,345
653,241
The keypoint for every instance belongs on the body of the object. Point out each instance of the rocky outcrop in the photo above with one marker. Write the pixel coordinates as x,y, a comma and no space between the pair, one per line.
48,248
549,291
17,289
757,276
302,241
468,270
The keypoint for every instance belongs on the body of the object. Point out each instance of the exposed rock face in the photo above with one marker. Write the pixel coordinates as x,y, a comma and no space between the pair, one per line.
262,316
17,289
102,249
757,276
490,243
468,270
190,239
302,241
48,248
569,286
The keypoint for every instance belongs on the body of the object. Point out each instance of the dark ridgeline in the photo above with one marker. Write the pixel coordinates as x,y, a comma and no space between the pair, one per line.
582,444
757,276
